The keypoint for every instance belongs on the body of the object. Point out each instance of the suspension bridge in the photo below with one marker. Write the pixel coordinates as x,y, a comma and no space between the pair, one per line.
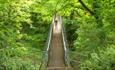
57,52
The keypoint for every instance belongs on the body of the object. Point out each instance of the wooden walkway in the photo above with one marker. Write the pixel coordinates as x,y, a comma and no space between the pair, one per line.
56,51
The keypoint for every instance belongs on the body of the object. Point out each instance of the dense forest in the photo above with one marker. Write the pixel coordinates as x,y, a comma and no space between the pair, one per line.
89,26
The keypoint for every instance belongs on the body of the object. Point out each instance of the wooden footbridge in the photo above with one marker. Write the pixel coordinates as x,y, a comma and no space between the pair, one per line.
56,53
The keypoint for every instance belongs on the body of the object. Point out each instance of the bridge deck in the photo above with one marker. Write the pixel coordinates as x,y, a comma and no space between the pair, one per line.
56,53
56,50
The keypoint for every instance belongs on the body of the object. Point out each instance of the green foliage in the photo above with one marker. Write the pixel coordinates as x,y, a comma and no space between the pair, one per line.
104,60
94,39
23,33
24,25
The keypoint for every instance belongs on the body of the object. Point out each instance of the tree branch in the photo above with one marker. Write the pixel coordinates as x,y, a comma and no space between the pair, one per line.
83,4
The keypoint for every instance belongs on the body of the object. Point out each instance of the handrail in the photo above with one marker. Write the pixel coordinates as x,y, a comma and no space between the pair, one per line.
67,62
45,53
49,42
49,38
